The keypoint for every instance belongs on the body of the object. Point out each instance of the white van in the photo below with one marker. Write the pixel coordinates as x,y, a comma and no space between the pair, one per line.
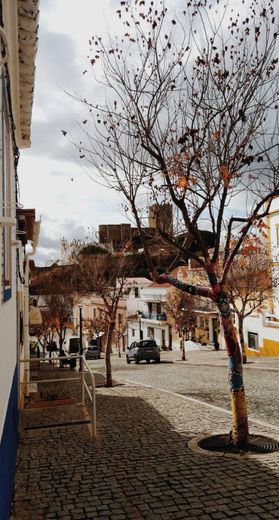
71,345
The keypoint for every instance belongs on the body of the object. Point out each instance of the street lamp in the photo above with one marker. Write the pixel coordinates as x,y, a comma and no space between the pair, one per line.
183,337
140,331
80,336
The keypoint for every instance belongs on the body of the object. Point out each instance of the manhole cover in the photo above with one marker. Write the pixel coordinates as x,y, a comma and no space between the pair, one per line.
221,443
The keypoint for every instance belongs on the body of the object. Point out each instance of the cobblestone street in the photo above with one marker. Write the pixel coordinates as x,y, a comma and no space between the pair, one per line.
140,466
204,376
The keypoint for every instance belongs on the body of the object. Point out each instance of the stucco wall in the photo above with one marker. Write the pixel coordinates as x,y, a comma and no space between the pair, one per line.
268,336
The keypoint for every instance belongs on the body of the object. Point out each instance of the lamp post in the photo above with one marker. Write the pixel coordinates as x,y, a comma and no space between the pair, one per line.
183,337
80,336
140,331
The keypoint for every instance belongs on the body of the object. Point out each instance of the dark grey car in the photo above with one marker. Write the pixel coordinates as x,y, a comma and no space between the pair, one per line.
144,350
93,352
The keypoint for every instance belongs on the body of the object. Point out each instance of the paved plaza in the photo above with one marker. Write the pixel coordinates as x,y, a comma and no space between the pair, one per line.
140,466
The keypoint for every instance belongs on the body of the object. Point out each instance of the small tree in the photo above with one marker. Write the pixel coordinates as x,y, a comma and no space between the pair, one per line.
97,327
180,307
119,331
61,307
104,275
189,116
250,283
46,330
56,289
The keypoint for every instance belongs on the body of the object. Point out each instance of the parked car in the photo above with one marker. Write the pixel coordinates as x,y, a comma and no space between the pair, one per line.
144,350
93,350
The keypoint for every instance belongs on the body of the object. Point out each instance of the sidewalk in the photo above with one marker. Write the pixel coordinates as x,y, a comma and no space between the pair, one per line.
210,356
140,466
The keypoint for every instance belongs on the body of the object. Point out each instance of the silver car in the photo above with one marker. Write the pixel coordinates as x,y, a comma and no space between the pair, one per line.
144,350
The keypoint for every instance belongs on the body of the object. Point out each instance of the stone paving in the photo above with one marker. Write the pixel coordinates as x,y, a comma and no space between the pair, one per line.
204,376
140,466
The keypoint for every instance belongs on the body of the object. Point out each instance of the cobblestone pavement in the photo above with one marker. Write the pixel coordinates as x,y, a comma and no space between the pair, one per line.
204,376
140,466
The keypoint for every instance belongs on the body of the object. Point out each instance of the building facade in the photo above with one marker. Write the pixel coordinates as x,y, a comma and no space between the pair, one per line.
261,330
154,320
18,36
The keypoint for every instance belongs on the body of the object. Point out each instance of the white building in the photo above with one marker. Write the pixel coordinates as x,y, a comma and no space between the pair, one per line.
261,330
154,321
18,42
148,317
93,310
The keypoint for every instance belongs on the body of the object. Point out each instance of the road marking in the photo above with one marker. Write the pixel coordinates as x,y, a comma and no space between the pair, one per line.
203,403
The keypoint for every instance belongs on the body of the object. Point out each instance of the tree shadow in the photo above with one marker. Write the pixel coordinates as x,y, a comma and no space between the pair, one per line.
140,468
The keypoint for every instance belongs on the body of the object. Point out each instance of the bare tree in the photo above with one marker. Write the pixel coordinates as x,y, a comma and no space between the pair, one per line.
188,116
55,287
119,331
180,306
46,330
105,275
97,326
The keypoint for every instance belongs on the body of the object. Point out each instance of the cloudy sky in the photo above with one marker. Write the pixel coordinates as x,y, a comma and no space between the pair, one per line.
52,180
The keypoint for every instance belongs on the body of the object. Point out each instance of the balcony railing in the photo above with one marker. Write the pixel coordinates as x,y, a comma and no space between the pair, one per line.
154,316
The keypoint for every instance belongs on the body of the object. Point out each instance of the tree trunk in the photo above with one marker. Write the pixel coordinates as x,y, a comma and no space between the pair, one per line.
61,339
183,347
240,431
107,354
241,339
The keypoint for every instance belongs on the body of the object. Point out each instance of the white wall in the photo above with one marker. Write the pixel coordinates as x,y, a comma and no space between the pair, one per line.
135,304
258,325
274,223
8,343
8,310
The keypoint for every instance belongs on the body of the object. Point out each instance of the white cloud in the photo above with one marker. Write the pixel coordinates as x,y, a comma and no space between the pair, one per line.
52,180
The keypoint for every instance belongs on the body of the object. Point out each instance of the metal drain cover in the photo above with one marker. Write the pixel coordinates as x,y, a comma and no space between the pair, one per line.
221,443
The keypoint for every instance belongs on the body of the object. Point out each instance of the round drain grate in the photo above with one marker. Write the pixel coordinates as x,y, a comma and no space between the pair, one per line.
221,443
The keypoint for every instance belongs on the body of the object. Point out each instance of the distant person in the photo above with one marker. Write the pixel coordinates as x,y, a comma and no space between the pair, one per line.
216,345
63,362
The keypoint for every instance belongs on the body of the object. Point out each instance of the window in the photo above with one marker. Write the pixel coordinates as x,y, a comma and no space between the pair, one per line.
253,341
277,236
133,332
120,319
136,292
6,195
150,332
94,313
